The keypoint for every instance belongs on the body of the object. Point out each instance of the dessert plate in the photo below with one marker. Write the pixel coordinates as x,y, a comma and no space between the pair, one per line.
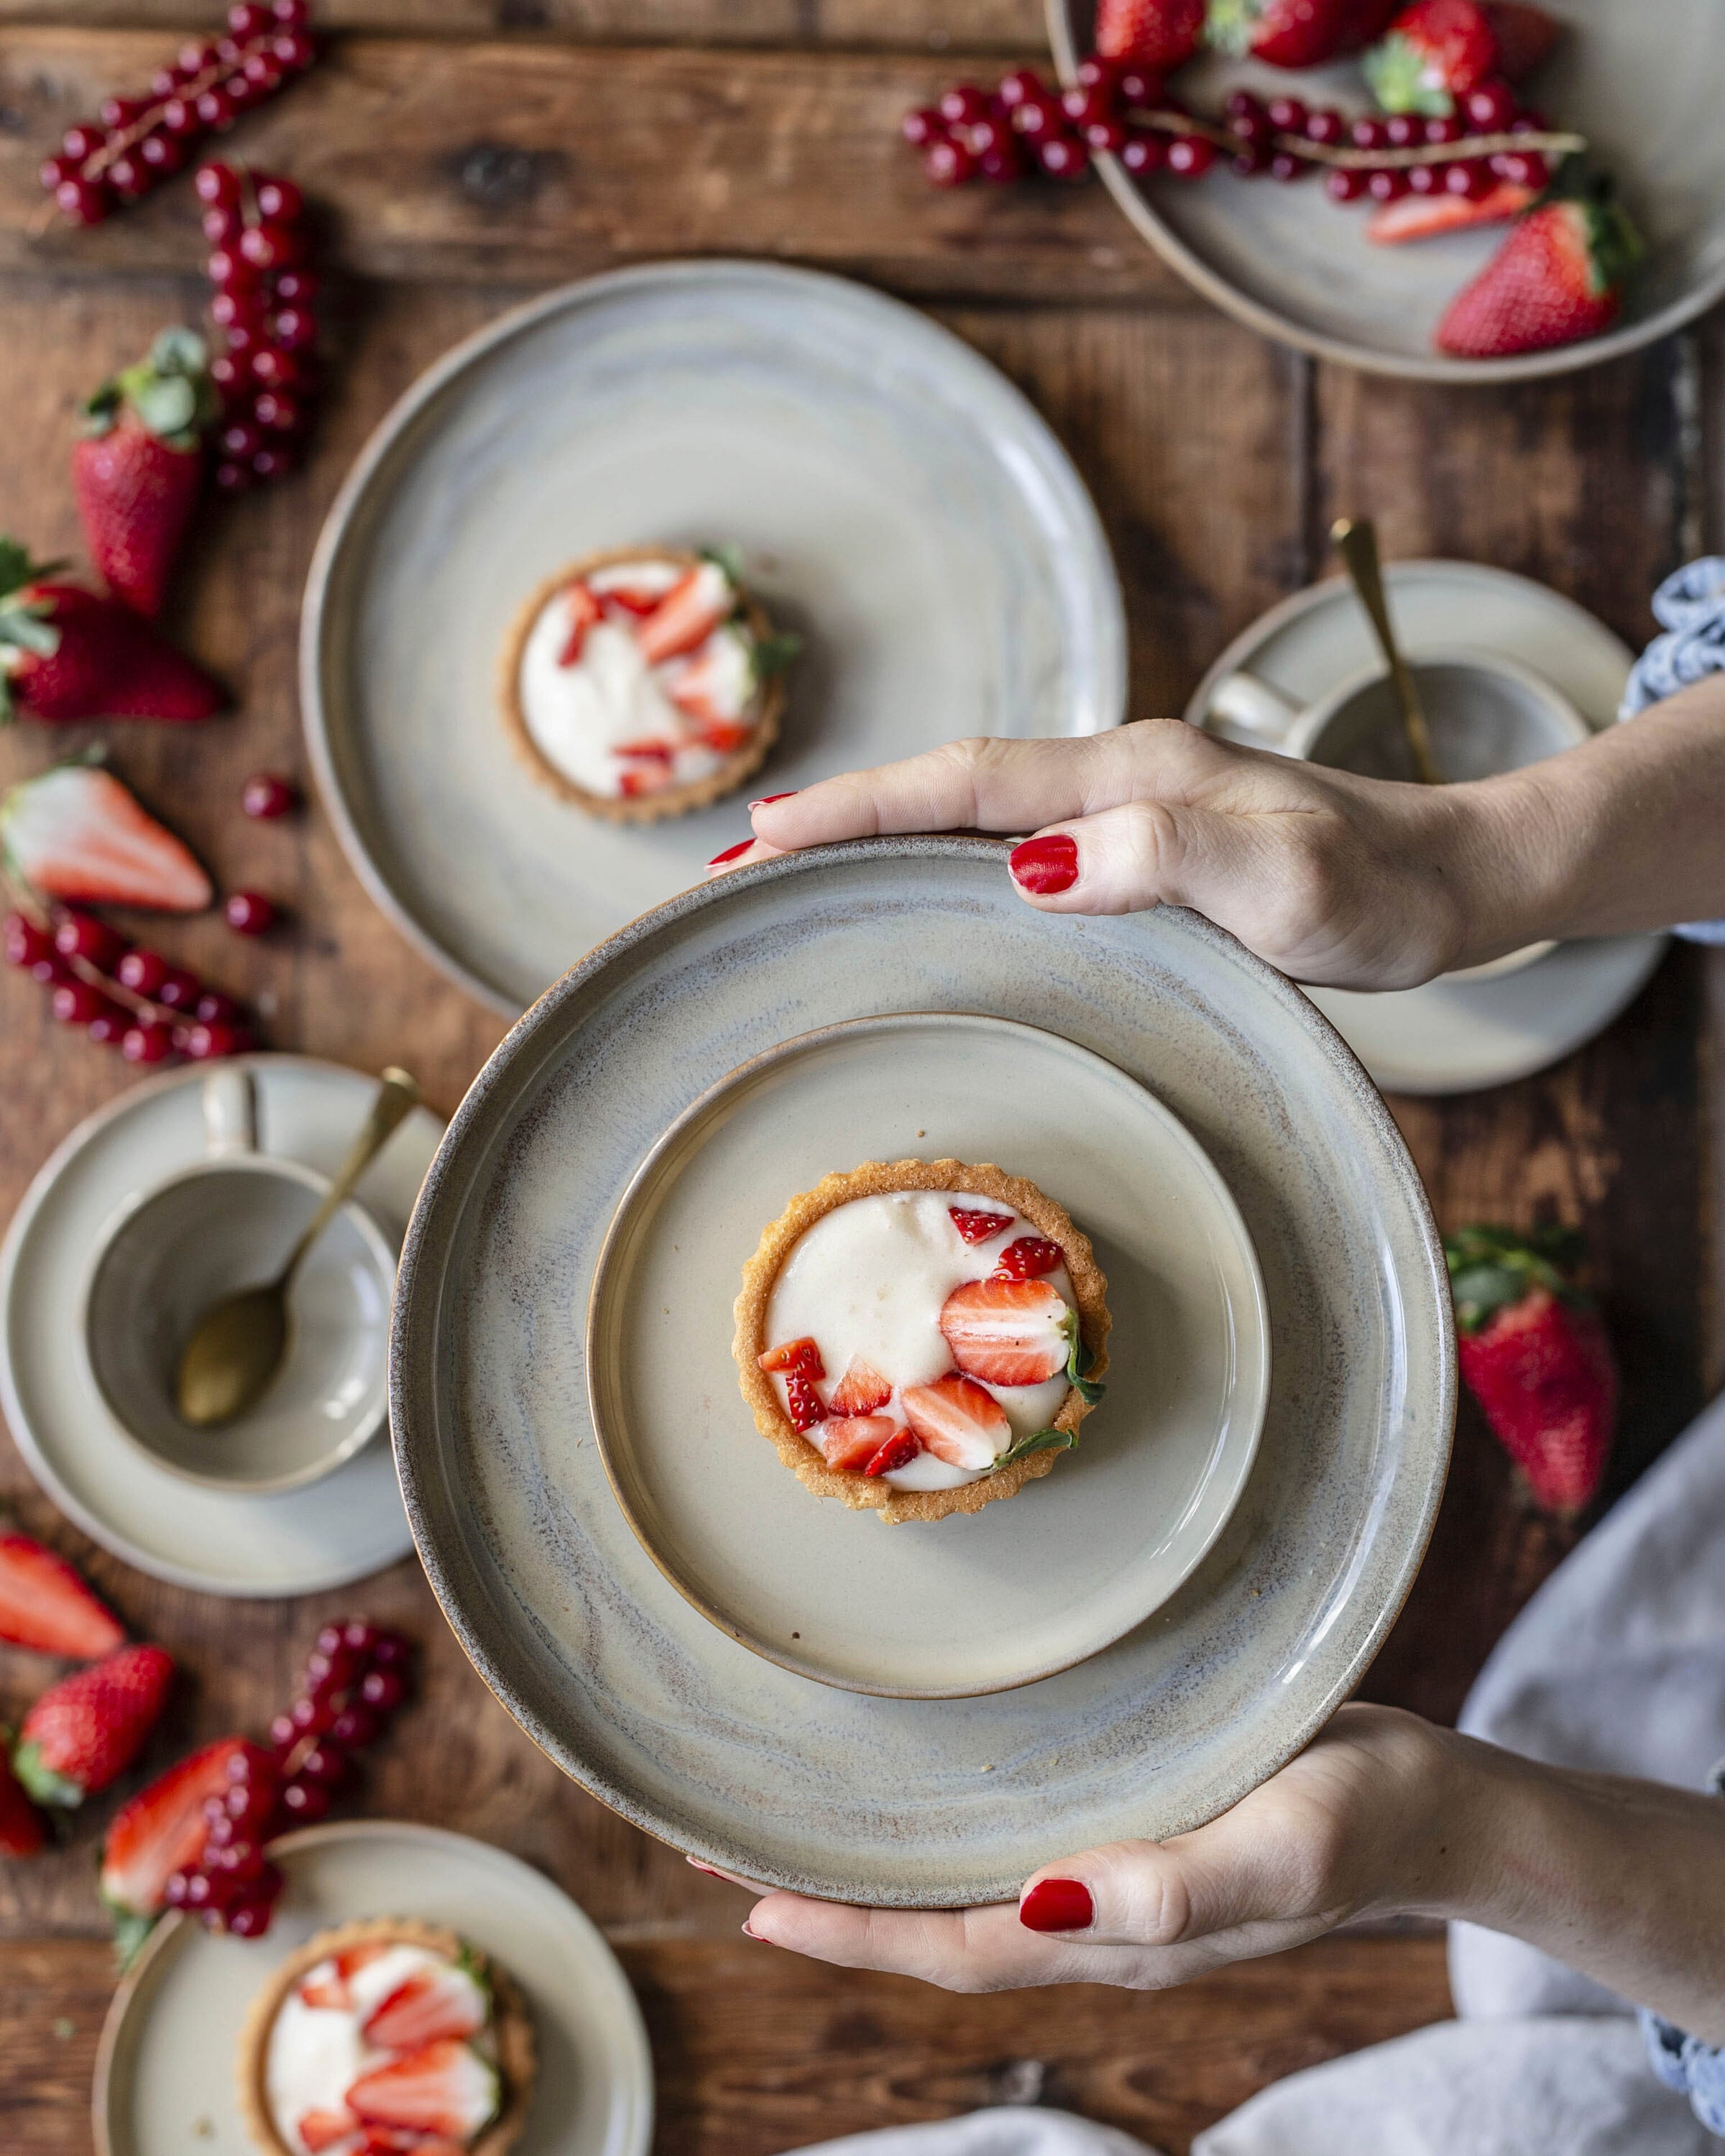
345,1527
897,502
1636,81
1455,1035
165,2071
752,1766
941,1609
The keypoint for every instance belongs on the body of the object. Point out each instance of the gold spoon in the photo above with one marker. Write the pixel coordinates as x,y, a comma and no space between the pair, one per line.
237,1346
1355,538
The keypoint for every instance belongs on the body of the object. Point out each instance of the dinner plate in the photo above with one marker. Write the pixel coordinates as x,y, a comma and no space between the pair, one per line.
1454,1035
898,504
756,1768
345,1527
941,1609
1638,82
165,2072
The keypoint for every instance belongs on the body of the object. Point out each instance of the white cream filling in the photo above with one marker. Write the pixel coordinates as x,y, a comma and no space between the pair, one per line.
870,1279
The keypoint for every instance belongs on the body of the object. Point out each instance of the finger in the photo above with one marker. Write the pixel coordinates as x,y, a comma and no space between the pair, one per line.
1142,853
739,856
985,1949
734,1878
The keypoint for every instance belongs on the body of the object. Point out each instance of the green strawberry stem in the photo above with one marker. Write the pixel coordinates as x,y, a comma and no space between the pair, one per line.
1396,75
169,389
1229,25
1035,1441
40,1781
131,1931
1079,1361
25,625
1492,1269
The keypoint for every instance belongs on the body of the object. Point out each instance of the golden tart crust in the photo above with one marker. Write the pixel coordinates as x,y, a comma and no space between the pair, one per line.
517,2050
980,1180
672,800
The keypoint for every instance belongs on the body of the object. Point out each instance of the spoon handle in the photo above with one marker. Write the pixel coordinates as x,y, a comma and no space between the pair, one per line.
1355,539
398,1092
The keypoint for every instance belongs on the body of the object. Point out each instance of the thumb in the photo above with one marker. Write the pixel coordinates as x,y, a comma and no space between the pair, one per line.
1123,859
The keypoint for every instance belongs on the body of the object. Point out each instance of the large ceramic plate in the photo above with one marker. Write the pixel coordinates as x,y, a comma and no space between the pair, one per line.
1640,82
900,504
1017,1590
165,2073
751,1766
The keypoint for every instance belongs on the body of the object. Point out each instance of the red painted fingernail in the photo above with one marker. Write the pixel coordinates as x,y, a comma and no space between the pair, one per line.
766,800
731,854
1043,866
1058,1905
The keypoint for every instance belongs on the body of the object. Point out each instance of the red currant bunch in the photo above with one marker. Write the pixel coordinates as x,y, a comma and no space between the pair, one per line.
122,994
264,308
356,1677
231,1885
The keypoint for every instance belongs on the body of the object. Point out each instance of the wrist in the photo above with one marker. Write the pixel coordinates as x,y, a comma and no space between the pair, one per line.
1506,856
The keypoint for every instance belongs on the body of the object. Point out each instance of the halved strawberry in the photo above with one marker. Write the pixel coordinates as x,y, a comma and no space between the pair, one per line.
332,1991
900,1449
45,1604
1428,216
426,2006
163,1828
687,615
584,610
1029,1258
979,1227
75,833
860,1390
795,1355
1007,1331
444,2087
851,1441
323,2129
958,1421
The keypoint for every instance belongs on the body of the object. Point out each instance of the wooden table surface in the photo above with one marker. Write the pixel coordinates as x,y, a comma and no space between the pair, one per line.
470,153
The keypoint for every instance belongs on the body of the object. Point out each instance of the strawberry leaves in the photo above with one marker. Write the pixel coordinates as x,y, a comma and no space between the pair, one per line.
1035,1441
24,617
169,390
1491,1269
1079,1361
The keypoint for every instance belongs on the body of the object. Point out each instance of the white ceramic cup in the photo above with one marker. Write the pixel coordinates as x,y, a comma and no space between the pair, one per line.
227,1222
1486,715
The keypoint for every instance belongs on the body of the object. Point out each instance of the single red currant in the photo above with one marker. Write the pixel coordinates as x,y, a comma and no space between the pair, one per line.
1345,184
1326,125
1190,156
947,163
209,1044
1445,128
296,287
76,1003
82,141
85,202
1387,184
1288,115
1490,107
162,155
179,989
1063,156
142,971
922,124
279,202
1021,84
266,795
1143,153
962,104
296,327
146,1044
82,936
1471,178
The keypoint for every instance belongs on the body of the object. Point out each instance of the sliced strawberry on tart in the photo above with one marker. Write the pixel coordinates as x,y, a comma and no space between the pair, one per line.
644,682
921,1337
387,2036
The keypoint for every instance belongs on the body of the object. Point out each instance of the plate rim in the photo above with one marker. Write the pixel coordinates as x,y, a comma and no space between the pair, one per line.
317,602
740,1079
163,1934
1282,329
421,1255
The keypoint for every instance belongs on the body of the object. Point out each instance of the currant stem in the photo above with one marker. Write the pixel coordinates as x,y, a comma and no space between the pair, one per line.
1350,159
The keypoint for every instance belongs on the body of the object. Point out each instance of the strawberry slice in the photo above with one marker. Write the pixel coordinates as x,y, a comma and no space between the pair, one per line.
45,1604
851,1442
726,736
75,833
959,1422
795,1355
900,1449
323,2129
86,1730
23,1830
1007,1331
802,1404
644,778
162,1830
444,2087
860,1390
332,1991
584,610
428,2005
1029,1259
1428,216
687,615
979,1227
651,752
630,600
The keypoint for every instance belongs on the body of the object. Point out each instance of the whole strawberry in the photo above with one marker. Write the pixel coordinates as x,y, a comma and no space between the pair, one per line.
1536,1357
1160,35
1558,276
88,1727
139,469
1435,51
1288,33
65,654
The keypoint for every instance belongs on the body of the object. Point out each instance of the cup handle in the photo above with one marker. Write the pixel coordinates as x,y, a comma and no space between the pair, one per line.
230,1111
1254,706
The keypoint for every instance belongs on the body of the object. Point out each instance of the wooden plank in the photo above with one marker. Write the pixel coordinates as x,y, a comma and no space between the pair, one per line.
519,163
757,2051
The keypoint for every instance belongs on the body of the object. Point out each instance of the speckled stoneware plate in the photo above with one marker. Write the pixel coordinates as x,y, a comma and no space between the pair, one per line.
347,1526
1639,82
898,503
751,1766
948,1608
1457,1036
165,2072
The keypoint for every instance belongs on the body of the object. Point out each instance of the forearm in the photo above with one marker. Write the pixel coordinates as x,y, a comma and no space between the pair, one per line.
1624,1881
1626,832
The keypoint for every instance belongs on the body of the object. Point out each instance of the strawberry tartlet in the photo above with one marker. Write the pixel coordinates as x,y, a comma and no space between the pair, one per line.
644,682
921,1337
387,2036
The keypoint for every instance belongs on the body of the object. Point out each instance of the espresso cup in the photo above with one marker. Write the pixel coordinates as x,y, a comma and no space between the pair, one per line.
226,1223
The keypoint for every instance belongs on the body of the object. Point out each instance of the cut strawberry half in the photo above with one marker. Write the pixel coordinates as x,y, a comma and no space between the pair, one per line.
75,833
44,1604
860,1390
1007,1331
631,599
1428,216
687,615
1029,1259
334,1990
852,1441
428,2005
959,1422
323,2129
979,1227
444,2087
802,1404
900,1449
162,1830
584,610
795,1355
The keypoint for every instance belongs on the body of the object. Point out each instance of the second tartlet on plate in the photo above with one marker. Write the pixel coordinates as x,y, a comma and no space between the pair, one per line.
921,1337
644,682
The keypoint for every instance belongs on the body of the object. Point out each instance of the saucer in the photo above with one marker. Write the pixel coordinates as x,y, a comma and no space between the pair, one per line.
980,1603
165,2070
1459,1034
342,1528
